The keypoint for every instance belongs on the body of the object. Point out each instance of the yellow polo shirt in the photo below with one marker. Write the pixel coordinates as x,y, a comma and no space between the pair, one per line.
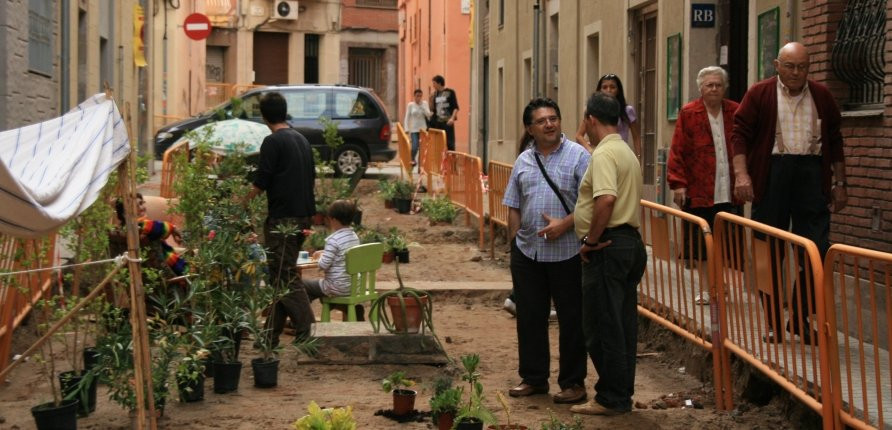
613,170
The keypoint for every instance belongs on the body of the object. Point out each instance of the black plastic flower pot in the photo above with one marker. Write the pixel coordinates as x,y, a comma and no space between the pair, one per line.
403,206
402,255
70,383
91,358
208,367
469,424
357,217
226,376
266,373
48,416
191,390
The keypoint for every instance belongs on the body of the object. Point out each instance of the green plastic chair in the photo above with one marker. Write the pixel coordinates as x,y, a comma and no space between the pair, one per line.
363,262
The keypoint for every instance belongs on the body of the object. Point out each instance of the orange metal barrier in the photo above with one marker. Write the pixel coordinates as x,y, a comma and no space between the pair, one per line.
857,285
404,147
463,176
168,171
499,173
677,290
763,270
216,93
432,155
19,292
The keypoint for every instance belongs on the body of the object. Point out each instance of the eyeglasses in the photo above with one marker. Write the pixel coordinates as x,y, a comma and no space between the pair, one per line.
554,119
802,67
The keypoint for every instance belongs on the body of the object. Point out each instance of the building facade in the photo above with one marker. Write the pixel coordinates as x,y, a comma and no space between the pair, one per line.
560,48
434,40
268,42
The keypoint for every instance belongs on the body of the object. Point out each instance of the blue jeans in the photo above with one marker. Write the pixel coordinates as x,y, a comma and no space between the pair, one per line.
416,137
610,314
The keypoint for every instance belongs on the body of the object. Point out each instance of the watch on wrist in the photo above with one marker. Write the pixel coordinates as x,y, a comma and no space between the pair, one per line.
585,241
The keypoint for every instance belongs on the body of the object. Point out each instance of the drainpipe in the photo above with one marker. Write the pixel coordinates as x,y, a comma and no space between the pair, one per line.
66,58
535,62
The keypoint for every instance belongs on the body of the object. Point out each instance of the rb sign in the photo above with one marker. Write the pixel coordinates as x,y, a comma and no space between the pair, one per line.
702,15
197,26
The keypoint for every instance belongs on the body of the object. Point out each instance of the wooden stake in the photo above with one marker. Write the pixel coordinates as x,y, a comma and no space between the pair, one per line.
141,355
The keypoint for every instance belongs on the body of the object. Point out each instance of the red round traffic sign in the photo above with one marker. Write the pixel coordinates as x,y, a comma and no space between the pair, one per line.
197,26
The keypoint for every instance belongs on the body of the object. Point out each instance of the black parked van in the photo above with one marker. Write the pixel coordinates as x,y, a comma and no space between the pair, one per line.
362,121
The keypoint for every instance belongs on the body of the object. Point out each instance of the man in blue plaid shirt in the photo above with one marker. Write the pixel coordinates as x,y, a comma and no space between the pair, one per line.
545,262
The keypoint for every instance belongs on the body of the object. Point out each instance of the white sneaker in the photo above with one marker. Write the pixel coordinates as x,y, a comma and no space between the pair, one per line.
510,307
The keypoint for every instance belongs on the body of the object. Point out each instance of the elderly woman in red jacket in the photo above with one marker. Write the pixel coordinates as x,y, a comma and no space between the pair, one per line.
700,173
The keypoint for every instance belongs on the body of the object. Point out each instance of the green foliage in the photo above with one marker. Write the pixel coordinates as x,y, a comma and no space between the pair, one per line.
396,381
446,398
191,366
368,235
386,188
403,189
326,419
474,408
554,423
395,241
316,240
439,209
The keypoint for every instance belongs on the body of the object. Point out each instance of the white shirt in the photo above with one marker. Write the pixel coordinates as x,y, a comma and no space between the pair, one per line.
722,171
416,116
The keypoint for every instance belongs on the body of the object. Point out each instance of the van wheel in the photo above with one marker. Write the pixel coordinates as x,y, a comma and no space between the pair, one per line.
349,159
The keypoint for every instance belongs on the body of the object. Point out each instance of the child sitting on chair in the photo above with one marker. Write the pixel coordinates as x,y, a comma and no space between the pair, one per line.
331,260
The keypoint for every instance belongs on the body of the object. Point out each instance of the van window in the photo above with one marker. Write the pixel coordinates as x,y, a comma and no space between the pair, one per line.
354,105
306,103
250,108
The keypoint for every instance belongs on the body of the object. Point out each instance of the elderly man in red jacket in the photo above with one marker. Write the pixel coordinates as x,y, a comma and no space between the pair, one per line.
699,172
788,160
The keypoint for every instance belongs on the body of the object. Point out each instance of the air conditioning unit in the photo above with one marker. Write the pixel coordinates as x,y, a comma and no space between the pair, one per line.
284,10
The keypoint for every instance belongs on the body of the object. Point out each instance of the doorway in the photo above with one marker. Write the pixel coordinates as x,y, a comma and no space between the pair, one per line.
270,58
646,99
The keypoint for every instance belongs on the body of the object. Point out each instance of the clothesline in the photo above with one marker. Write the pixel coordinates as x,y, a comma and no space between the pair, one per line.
119,261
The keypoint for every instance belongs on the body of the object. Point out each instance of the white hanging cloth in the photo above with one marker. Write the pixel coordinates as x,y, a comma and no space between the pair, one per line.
52,171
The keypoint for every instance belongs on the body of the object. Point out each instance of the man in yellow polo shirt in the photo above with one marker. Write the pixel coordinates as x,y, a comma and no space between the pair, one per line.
613,259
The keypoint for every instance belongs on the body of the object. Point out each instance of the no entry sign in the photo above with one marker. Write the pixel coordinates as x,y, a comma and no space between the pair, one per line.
197,26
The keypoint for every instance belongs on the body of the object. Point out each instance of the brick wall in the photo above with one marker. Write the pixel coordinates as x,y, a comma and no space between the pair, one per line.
868,139
25,97
371,18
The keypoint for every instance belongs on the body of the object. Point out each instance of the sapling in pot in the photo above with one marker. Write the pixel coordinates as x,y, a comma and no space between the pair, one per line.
403,397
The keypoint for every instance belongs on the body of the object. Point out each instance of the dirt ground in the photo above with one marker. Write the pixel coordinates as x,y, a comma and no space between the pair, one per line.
468,322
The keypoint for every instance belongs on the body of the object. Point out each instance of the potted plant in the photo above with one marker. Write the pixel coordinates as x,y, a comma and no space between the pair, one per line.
60,412
444,404
315,241
439,210
410,309
473,415
386,191
397,244
402,195
403,397
189,375
326,419
507,409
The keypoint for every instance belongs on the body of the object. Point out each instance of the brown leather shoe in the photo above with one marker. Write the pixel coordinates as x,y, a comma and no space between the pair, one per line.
525,389
574,394
595,408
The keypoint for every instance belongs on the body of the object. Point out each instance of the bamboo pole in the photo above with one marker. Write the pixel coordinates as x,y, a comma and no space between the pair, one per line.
59,324
141,354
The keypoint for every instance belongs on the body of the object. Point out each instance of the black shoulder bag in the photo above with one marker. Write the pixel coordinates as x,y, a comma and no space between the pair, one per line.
551,184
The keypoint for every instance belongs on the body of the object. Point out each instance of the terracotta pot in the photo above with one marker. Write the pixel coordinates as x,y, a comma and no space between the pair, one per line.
403,401
411,321
388,204
445,420
387,257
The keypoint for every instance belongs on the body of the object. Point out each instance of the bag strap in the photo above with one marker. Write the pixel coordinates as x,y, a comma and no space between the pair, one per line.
550,183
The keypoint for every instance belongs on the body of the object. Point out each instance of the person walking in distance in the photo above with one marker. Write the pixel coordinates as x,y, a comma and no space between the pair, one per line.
788,160
613,259
445,112
540,196
628,126
286,173
417,114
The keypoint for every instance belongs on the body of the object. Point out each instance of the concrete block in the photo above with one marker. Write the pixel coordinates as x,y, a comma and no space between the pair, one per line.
356,343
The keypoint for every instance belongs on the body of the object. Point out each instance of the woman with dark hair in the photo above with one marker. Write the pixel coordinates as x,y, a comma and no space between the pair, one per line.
611,85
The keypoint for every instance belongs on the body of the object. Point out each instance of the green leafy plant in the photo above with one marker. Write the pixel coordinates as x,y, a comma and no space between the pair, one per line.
190,368
326,419
395,241
446,398
316,240
473,410
386,188
554,423
403,189
368,235
396,381
439,209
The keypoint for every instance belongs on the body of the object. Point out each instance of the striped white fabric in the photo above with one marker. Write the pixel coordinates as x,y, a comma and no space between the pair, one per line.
334,262
52,171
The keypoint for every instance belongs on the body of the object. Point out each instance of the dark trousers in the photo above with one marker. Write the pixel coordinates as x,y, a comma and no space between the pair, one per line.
694,245
450,133
282,252
793,193
610,314
536,284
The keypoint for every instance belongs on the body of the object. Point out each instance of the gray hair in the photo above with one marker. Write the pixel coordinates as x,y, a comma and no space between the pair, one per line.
712,70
